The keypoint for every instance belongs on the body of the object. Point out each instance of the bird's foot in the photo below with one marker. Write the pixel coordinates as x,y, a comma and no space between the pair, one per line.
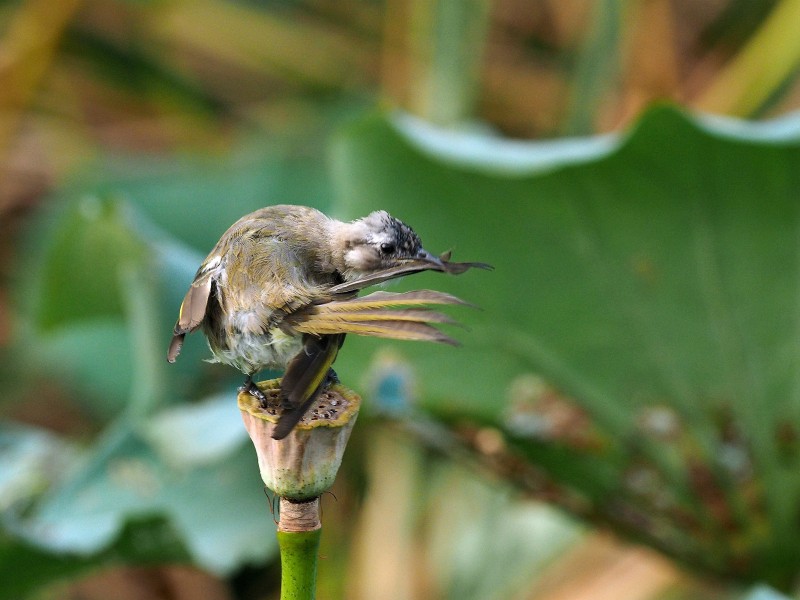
331,378
251,388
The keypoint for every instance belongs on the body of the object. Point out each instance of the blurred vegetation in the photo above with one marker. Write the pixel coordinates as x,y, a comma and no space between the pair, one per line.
634,365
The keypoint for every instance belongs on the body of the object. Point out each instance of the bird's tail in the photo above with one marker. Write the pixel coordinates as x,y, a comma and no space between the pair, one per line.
402,316
304,380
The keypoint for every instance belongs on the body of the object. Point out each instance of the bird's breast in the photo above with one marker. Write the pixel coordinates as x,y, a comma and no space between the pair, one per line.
254,352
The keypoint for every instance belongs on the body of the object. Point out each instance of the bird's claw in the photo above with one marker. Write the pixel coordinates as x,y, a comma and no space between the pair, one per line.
251,388
331,378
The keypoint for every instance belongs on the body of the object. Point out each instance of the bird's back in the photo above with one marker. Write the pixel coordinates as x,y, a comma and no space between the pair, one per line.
269,266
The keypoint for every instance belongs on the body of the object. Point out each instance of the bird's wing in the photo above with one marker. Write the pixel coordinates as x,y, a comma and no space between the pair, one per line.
402,316
304,378
407,268
193,307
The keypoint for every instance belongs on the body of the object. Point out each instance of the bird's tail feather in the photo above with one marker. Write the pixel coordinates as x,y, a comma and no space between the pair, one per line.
304,380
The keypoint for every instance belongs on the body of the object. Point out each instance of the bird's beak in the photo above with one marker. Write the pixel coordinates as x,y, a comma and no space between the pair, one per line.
435,261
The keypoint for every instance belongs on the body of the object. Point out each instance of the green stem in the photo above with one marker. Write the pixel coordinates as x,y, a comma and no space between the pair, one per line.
299,551
299,534
598,66
759,70
446,39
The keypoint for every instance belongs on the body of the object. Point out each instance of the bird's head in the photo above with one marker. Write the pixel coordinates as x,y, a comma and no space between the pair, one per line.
379,241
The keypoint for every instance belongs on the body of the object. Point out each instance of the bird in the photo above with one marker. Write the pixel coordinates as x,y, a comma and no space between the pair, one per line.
280,290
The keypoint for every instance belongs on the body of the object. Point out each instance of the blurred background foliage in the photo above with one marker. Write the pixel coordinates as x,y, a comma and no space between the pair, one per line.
622,419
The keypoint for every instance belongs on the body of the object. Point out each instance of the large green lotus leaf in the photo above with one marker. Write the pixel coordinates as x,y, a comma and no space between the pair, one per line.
82,264
74,298
30,459
212,498
194,199
639,336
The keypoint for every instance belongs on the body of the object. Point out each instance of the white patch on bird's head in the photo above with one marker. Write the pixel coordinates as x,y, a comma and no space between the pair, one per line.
376,242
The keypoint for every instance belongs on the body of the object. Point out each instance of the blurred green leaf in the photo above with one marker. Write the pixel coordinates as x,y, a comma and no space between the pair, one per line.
27,570
193,200
484,542
94,357
638,336
763,592
76,297
80,274
196,434
31,458
216,508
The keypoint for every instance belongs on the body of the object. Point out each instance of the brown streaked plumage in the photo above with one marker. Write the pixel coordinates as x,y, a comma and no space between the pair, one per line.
278,291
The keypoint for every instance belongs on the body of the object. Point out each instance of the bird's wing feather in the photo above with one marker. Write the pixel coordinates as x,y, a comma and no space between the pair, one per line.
192,311
402,316
380,314
407,268
419,315
193,307
379,277
397,329
383,299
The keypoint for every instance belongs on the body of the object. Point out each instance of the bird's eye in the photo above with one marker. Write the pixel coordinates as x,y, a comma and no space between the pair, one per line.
387,248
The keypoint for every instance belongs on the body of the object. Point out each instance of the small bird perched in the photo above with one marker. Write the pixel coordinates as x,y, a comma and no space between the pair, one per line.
279,291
